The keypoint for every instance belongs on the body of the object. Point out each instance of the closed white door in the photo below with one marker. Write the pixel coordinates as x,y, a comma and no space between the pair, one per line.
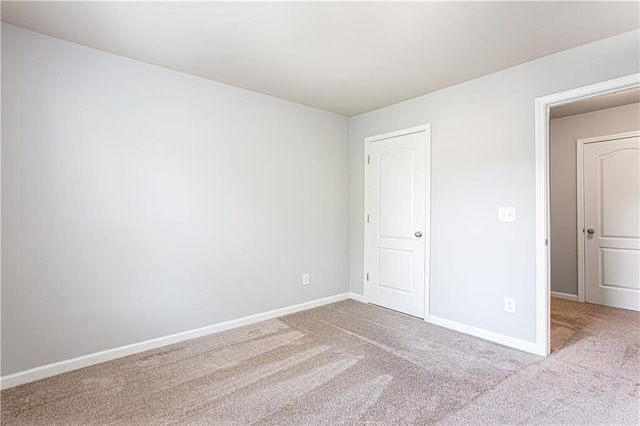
612,222
397,231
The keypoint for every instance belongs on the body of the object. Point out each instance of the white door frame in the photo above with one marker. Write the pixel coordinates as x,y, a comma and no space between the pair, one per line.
427,232
543,278
580,143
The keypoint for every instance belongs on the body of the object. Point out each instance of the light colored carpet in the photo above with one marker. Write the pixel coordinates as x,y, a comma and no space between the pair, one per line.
351,363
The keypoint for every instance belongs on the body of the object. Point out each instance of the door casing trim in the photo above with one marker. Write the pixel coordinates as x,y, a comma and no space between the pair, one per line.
427,232
543,271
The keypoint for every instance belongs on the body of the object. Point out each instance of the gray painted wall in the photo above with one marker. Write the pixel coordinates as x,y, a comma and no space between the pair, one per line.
482,157
138,202
563,133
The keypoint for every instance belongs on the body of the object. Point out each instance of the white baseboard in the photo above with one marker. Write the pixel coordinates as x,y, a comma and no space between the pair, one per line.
502,339
512,342
564,296
356,296
48,370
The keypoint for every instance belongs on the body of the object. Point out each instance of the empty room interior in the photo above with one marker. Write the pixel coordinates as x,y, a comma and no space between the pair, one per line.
320,213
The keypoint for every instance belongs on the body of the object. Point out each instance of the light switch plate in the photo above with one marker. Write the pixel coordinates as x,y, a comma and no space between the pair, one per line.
506,214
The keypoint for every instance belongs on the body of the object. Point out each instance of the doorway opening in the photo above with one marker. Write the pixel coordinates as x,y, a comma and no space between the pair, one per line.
601,117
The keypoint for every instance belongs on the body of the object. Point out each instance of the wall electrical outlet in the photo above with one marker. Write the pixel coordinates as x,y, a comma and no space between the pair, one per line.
510,304
305,279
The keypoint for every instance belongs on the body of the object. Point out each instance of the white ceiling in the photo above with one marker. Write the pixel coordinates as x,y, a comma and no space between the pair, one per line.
345,57
597,103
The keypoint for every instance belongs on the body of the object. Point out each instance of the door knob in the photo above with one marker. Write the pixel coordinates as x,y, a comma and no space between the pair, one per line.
591,231
418,234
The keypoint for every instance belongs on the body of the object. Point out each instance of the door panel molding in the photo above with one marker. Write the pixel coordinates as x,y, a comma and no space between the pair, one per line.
426,128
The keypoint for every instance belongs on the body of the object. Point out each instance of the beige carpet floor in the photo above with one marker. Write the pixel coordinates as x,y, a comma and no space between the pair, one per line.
351,363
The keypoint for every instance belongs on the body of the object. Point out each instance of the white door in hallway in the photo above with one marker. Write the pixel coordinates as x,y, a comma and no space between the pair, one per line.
611,185
397,220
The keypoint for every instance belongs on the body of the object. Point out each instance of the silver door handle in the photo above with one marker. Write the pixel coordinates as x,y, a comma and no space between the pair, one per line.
418,234
591,231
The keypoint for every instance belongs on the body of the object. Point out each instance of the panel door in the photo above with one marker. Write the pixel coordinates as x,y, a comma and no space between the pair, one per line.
612,222
397,228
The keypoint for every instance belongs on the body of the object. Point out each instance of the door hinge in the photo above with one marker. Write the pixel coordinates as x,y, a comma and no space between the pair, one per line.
546,242
367,276
367,218
368,159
